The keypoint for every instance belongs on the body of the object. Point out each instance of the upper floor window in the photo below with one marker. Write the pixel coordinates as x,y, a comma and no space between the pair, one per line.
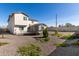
25,18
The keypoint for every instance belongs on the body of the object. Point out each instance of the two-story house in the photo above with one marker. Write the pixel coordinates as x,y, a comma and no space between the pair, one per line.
21,23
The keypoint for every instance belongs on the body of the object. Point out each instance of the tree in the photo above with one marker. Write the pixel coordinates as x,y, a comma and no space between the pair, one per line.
3,30
60,26
68,25
2,33
45,33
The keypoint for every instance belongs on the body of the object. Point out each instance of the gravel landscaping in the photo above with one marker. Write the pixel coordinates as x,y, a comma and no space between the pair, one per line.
14,42
18,41
48,48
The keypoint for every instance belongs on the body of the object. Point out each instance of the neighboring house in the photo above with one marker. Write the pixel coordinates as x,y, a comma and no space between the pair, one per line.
21,23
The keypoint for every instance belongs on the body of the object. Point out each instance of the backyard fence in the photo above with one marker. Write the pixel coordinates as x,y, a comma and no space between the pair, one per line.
64,29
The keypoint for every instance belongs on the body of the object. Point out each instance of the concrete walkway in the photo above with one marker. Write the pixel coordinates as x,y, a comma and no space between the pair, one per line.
66,51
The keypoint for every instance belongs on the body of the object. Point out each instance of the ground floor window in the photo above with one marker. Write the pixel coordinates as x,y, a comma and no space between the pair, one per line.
41,27
21,28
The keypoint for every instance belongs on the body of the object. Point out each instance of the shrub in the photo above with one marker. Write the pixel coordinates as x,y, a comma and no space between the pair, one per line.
31,50
76,43
76,35
61,44
45,33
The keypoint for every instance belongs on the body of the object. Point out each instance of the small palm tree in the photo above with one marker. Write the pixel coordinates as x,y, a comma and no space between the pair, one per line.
45,33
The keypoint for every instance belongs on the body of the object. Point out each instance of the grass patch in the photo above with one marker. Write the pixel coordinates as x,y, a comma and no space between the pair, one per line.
3,43
30,50
68,37
61,45
58,35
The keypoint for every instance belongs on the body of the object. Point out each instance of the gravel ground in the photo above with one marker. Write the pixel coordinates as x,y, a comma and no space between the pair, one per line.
13,43
48,47
16,41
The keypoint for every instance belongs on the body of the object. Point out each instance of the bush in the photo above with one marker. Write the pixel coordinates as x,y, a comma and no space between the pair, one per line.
31,50
45,33
61,44
76,43
76,35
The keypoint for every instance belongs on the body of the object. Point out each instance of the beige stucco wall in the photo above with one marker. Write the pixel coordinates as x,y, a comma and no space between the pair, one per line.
18,31
19,19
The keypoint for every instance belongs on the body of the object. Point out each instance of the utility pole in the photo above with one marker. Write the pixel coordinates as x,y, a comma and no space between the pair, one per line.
56,32
56,20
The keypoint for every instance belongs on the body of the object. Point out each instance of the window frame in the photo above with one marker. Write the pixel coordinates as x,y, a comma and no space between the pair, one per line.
24,18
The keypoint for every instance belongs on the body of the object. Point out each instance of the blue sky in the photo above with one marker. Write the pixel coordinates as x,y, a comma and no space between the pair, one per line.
45,13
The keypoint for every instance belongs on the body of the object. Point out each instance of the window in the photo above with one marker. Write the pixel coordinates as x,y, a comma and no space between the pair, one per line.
21,28
25,18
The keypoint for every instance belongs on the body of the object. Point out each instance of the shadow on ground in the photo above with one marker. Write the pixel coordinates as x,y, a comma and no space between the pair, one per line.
37,38
31,34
